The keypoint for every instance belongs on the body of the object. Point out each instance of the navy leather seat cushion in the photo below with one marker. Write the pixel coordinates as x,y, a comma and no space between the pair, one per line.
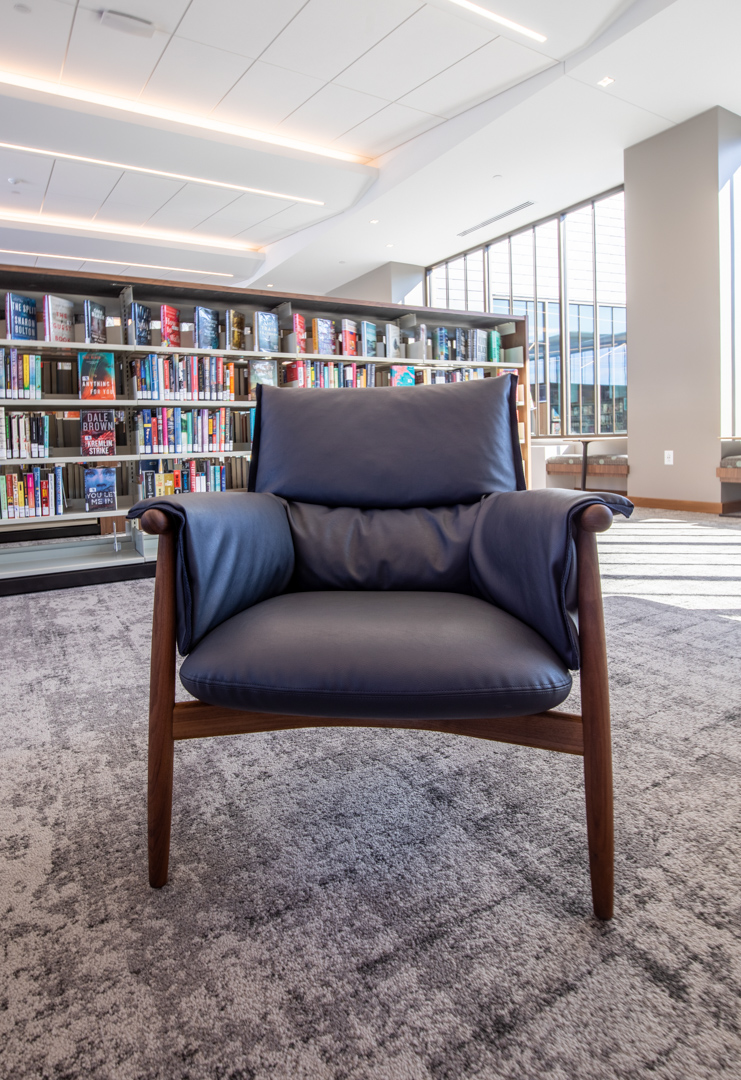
349,548
377,654
388,446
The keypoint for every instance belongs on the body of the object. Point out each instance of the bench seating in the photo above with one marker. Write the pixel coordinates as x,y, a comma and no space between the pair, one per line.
597,465
730,469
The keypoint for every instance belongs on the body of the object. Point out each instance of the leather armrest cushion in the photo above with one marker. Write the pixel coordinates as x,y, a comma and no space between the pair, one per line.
234,549
523,558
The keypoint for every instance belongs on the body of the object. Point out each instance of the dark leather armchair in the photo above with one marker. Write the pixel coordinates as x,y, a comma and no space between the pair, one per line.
387,568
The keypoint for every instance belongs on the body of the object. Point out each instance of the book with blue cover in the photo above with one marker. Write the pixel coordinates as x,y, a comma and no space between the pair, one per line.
140,325
97,376
20,317
100,489
267,332
94,315
368,338
206,328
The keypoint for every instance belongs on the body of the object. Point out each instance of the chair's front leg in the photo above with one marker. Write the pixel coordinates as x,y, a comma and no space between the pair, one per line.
595,700
161,699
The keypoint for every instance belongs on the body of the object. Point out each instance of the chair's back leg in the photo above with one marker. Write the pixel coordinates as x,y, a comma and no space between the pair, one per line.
161,701
595,699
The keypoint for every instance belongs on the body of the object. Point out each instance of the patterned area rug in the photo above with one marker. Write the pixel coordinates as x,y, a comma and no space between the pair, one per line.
388,905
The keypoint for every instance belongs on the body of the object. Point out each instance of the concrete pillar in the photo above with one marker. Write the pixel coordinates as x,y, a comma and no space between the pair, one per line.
675,280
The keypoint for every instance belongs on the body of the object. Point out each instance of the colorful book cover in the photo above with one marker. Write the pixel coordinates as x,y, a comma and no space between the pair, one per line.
97,375
97,432
234,330
94,315
206,322
368,338
20,317
141,325
349,337
267,332
100,489
495,347
299,329
393,341
322,332
170,326
262,371
401,375
58,319
440,349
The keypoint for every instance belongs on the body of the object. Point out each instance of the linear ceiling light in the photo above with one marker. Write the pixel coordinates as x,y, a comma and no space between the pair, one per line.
158,172
112,262
109,228
499,19
141,108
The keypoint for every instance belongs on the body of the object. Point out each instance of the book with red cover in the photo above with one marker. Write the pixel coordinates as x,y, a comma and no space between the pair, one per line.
349,337
97,432
170,322
299,329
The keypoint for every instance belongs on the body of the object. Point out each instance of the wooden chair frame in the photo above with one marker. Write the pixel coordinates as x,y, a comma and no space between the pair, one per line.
587,735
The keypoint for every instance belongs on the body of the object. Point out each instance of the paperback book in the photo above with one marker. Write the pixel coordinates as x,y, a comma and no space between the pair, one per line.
97,432
206,328
299,329
94,315
393,341
20,317
440,349
170,326
58,319
267,332
262,371
96,374
100,489
349,338
401,375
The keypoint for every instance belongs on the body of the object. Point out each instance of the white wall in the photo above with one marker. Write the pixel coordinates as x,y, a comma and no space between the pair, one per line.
673,248
391,283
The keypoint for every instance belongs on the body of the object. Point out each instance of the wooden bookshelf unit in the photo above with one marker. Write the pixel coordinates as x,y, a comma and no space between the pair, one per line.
120,551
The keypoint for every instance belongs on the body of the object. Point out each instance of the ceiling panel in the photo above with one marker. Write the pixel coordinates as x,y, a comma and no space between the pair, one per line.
417,50
393,125
190,206
488,71
136,197
330,113
282,224
326,36
675,64
193,78
264,96
248,28
106,60
77,190
34,174
240,215
33,43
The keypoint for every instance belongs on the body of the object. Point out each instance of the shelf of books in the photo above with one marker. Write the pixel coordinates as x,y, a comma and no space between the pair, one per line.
112,390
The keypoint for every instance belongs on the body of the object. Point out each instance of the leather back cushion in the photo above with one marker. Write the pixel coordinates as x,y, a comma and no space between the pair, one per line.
388,446
350,549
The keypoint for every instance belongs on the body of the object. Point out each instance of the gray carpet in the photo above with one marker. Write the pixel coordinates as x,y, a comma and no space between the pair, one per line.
388,905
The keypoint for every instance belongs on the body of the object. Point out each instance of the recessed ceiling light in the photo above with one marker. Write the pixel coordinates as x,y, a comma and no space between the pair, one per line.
142,108
389,245
154,172
606,81
499,19
268,286
113,262
373,221
110,228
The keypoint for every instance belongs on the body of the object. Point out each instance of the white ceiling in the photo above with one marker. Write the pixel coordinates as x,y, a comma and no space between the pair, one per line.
434,101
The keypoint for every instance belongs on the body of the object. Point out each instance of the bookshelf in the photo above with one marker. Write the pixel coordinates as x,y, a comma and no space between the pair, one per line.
77,546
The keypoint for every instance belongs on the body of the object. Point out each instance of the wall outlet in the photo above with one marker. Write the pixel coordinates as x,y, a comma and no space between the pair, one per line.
668,457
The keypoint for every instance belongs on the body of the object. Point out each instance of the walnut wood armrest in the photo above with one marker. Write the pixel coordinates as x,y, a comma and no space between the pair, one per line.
155,521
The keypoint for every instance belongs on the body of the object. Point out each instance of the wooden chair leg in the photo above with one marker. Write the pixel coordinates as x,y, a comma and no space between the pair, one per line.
596,712
161,700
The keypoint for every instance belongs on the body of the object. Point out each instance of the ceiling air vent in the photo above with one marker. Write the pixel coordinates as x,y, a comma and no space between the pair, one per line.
497,217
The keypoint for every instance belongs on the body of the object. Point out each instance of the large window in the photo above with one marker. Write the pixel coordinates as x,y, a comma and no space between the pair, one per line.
567,275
